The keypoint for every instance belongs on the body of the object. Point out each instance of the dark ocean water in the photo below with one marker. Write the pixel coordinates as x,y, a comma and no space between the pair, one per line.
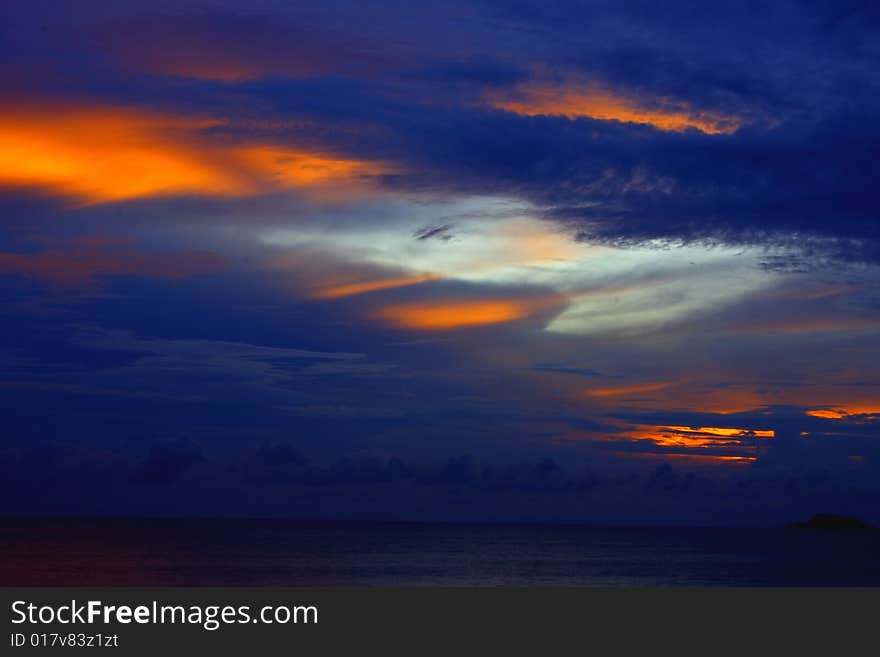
270,553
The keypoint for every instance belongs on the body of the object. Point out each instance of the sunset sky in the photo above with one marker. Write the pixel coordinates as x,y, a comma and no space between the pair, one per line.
607,262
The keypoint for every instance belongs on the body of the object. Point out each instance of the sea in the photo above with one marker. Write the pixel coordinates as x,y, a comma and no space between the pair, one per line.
43,552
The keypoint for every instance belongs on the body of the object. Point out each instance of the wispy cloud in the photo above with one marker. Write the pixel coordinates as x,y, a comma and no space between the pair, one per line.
576,100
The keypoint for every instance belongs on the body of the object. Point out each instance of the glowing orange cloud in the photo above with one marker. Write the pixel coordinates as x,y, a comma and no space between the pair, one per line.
453,315
289,168
363,287
723,392
701,438
688,458
626,390
446,315
691,392
104,154
724,432
597,103
827,413
843,411
99,154
709,444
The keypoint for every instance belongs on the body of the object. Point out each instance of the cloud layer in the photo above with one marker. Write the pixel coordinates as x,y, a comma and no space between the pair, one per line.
616,252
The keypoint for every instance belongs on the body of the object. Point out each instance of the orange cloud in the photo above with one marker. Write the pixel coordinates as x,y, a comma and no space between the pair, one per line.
839,412
79,265
710,444
724,401
687,392
720,432
690,459
697,439
704,398
363,287
102,154
722,391
287,168
827,413
809,325
595,102
447,315
453,315
625,390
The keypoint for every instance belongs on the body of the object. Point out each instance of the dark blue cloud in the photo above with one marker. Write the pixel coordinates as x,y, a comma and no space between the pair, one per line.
462,488
166,463
281,454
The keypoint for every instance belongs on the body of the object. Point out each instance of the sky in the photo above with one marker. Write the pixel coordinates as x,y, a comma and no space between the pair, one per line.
606,262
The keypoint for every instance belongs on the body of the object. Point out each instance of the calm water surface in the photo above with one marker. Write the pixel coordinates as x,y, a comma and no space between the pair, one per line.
279,553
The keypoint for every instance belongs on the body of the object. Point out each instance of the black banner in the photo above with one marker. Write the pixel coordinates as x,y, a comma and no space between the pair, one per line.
150,621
